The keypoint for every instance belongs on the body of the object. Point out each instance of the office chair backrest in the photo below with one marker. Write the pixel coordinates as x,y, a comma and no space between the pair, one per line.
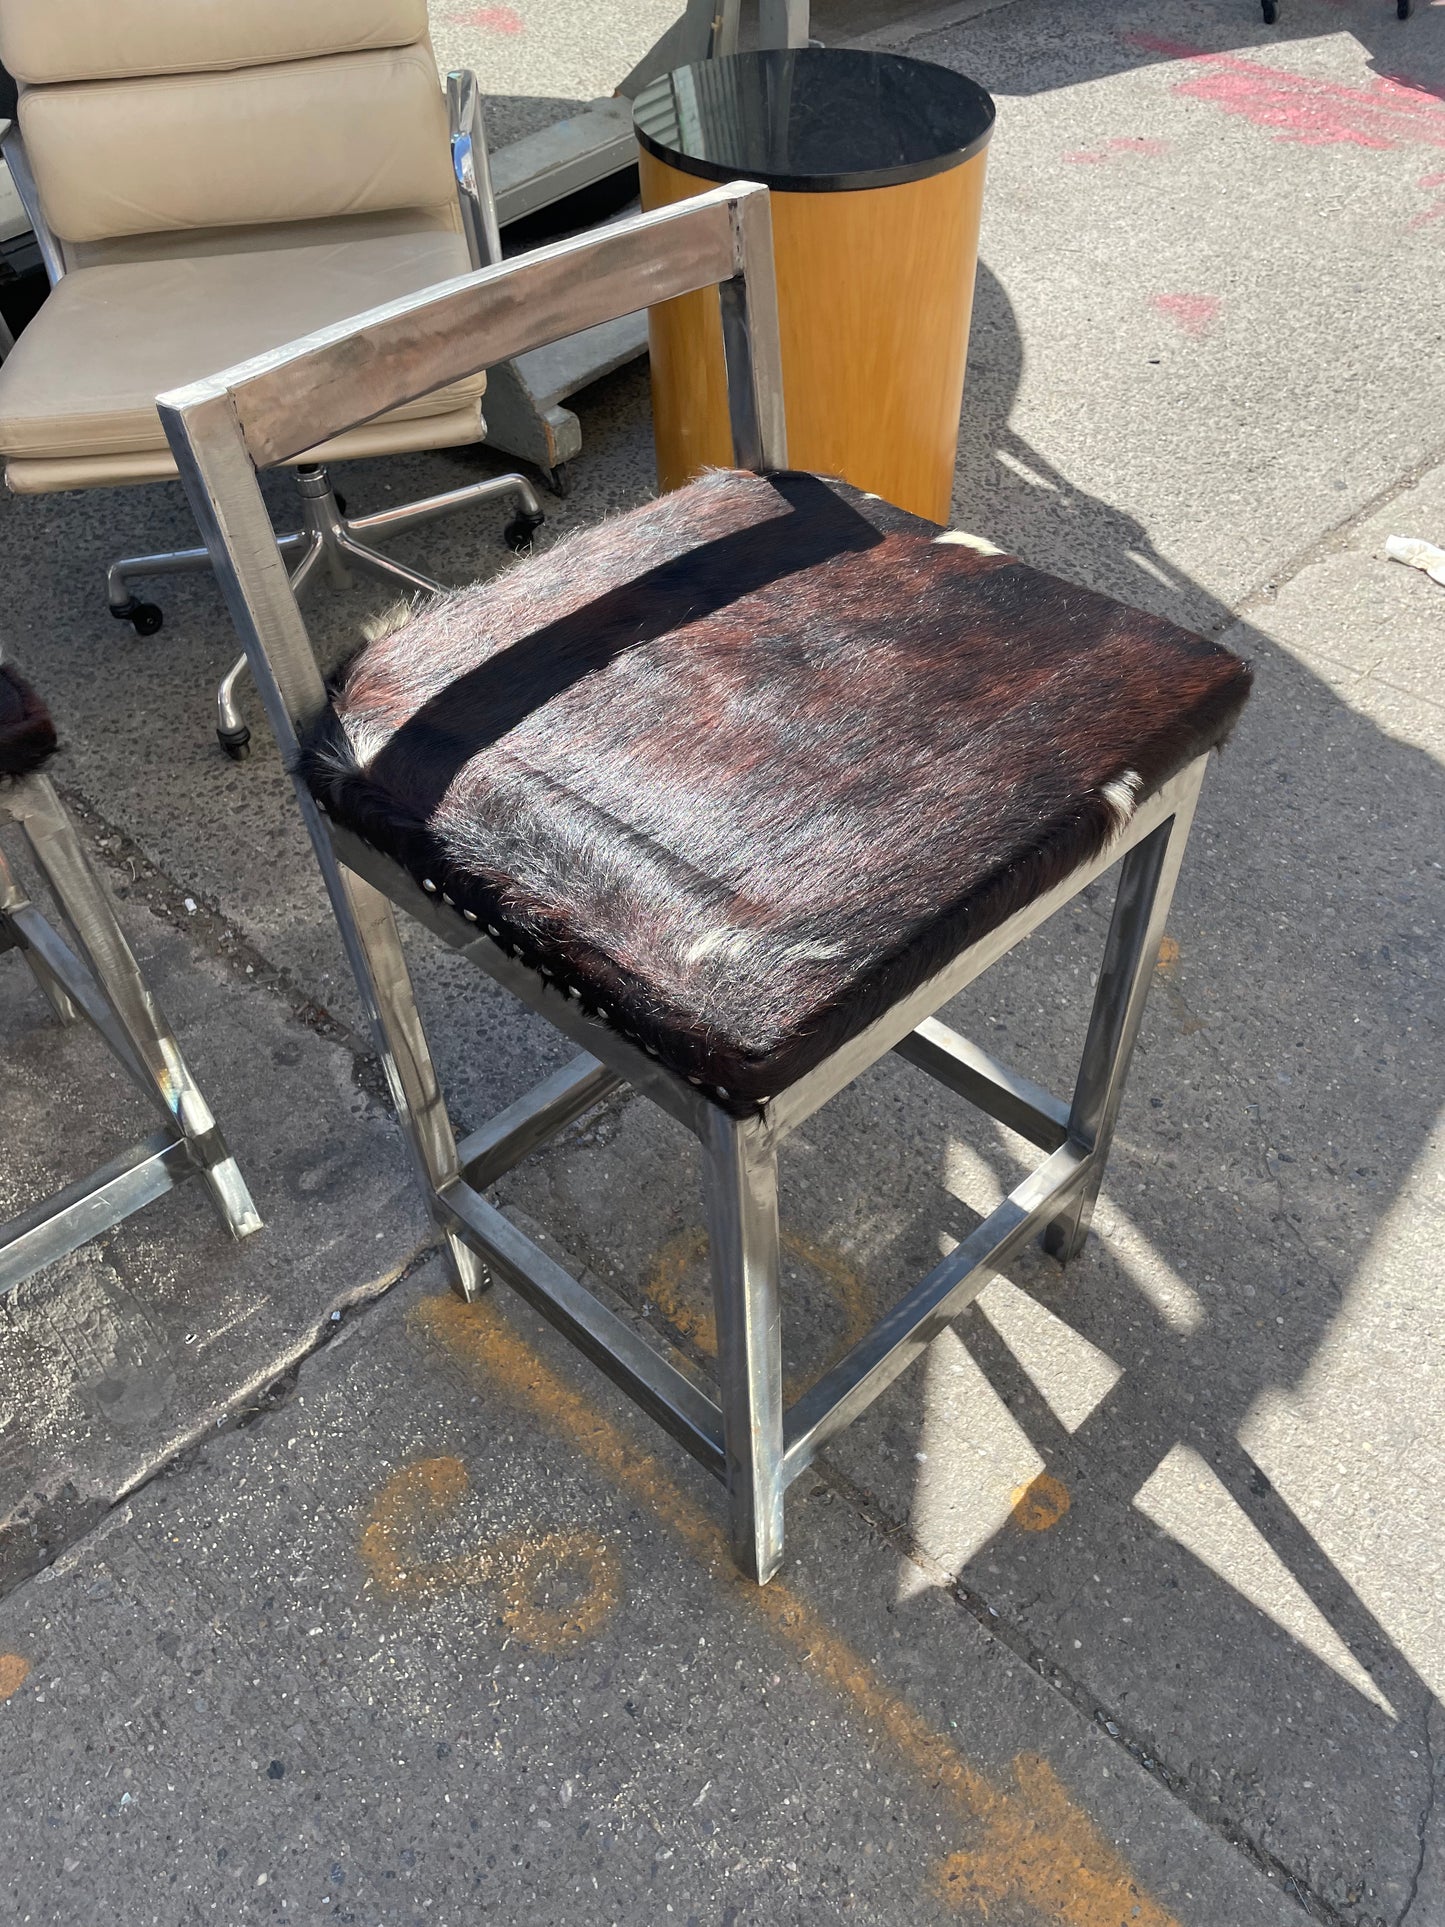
143,117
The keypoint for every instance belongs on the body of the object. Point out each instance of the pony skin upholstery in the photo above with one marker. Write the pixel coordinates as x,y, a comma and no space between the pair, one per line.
27,735
742,767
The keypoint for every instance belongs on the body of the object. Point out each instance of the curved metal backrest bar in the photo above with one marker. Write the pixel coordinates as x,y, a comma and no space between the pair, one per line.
264,411
298,396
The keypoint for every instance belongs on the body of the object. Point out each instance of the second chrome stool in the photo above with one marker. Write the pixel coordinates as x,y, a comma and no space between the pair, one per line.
737,789
87,969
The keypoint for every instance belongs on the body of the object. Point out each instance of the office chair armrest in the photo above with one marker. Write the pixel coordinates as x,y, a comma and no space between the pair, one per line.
12,149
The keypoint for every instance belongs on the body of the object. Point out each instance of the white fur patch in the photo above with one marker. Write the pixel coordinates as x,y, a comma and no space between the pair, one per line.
731,946
367,739
961,541
1122,796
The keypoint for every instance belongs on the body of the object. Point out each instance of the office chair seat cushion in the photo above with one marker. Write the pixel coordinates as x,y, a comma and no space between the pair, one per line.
27,735
744,766
83,378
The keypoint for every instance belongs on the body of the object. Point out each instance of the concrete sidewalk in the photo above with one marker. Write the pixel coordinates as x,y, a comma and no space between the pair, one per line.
1130,1597
449,1635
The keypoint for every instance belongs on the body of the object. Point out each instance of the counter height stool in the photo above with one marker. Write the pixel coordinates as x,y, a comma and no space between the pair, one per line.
91,971
736,789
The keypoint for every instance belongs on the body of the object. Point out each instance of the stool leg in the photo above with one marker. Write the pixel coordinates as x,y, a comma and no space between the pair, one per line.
12,897
86,907
1146,887
374,944
741,1197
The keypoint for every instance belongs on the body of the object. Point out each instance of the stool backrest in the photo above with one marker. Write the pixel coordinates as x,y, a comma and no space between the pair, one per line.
262,412
147,117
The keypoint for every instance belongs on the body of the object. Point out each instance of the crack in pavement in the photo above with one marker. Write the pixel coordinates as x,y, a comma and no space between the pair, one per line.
186,909
1422,1829
247,1406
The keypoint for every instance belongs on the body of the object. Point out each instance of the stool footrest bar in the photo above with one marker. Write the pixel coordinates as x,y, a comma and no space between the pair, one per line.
901,1334
63,1223
1015,1101
678,1405
534,1119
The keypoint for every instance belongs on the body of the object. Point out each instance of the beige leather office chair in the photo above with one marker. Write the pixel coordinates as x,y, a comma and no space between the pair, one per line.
206,183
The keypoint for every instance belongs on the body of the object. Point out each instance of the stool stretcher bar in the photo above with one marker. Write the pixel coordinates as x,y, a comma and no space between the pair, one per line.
1025,1107
534,1120
917,1319
43,945
71,1218
609,1341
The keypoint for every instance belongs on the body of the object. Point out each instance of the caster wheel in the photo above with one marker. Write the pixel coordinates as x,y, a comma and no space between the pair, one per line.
519,531
1402,9
235,742
559,479
1271,12
144,617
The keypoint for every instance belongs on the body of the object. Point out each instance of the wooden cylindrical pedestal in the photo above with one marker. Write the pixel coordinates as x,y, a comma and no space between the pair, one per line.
875,291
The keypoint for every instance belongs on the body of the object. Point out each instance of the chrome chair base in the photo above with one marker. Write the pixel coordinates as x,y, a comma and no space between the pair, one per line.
95,975
328,540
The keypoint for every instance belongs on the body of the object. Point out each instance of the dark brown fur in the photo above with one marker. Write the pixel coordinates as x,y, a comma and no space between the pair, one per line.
744,766
27,735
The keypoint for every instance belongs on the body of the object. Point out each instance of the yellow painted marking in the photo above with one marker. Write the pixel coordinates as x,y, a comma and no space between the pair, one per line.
14,1671
529,1571
682,1309
690,1312
1046,1847
556,1588
1032,1843
411,1498
1040,1504
1167,965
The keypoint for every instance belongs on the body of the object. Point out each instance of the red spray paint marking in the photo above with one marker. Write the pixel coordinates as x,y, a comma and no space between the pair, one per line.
489,19
1299,107
1430,214
1192,314
1146,148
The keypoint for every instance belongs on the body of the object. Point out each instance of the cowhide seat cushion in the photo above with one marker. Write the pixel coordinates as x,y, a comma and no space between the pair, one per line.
27,735
745,765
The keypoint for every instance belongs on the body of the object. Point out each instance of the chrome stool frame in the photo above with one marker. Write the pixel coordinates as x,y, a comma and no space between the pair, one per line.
95,975
222,432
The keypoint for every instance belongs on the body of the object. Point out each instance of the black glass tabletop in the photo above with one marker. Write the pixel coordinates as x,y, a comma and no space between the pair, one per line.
813,119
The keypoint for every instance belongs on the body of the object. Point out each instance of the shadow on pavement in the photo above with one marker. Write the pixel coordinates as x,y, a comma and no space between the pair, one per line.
1287,1087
